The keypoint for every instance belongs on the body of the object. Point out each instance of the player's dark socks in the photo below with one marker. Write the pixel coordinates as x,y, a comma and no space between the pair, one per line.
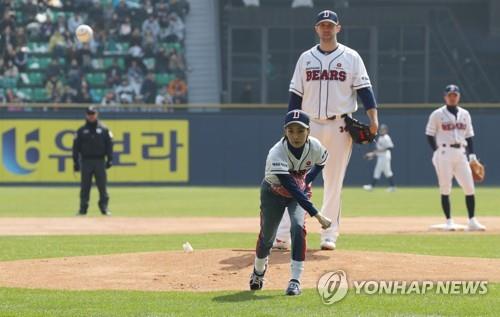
445,203
471,205
374,182
391,181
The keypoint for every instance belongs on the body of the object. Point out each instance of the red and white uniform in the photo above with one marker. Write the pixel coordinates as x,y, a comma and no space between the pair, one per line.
450,158
327,84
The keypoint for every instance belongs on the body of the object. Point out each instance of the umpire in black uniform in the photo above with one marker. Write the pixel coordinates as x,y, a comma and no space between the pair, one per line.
92,155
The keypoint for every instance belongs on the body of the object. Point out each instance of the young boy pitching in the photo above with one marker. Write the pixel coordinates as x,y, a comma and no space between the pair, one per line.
291,166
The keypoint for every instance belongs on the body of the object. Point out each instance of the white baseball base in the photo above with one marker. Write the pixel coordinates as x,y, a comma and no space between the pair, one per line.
444,227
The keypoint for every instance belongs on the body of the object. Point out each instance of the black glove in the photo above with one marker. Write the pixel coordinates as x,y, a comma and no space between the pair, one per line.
359,132
76,167
109,164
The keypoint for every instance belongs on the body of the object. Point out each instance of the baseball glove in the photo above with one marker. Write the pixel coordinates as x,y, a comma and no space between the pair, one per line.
369,156
478,171
359,132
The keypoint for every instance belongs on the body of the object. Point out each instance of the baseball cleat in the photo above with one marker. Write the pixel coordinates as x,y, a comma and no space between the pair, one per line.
449,225
368,187
328,244
281,244
256,280
474,225
106,213
293,288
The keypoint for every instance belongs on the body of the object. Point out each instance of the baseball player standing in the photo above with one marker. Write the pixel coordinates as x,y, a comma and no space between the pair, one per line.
326,83
383,147
292,163
449,132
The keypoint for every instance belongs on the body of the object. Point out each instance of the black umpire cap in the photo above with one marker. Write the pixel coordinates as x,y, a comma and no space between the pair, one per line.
327,16
91,110
297,116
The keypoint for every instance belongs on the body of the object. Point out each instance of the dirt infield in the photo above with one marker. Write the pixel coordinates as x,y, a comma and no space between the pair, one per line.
223,269
129,225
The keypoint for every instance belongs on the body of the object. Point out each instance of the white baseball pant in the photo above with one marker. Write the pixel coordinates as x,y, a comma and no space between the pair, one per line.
449,163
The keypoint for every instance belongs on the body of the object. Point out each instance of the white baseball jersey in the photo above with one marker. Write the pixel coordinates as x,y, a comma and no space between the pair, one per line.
281,161
383,144
327,83
448,129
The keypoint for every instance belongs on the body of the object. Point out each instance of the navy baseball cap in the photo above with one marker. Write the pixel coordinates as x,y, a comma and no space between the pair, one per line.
327,16
452,89
297,116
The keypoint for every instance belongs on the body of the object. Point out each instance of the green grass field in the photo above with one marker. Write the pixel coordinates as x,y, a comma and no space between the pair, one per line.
184,202
232,202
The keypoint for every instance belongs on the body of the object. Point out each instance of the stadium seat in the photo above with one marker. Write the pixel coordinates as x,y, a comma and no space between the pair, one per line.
38,47
10,82
163,78
150,63
25,92
38,62
39,94
108,62
97,94
96,79
35,79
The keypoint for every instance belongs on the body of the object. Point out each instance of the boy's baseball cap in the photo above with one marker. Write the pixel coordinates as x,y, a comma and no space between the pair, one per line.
297,116
327,16
452,89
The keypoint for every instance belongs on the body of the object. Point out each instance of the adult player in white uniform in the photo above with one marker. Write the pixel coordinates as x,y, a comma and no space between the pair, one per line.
383,147
326,82
449,132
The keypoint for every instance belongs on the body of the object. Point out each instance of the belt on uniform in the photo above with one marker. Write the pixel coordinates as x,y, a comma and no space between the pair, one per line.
337,116
455,145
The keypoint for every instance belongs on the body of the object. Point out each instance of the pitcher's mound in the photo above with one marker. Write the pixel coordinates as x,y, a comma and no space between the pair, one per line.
223,269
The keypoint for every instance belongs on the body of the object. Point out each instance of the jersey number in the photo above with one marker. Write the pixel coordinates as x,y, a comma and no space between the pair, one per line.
343,129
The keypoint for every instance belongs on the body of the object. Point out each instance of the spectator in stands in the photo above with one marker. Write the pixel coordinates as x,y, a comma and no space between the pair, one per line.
247,94
177,88
161,61
84,57
135,76
53,69
122,11
21,58
74,74
69,94
148,89
83,94
113,74
151,24
97,15
74,21
54,88
57,44
180,7
163,98
162,11
61,24
46,28
21,37
8,21
29,10
11,71
125,92
7,40
149,43
11,96
109,99
136,53
125,31
176,63
175,30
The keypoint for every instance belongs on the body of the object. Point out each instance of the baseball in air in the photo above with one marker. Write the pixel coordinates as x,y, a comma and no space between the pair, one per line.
84,33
